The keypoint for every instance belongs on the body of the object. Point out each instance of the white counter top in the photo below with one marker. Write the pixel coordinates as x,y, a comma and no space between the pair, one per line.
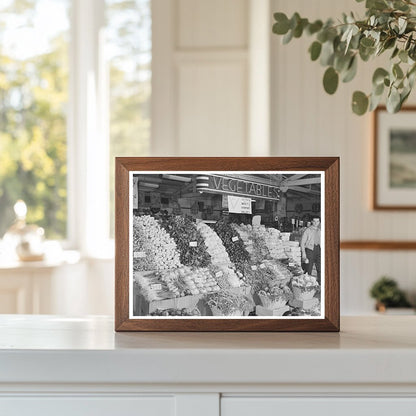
50,349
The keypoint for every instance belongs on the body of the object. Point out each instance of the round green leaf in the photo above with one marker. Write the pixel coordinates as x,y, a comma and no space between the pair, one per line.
314,27
378,90
281,27
359,103
330,80
315,50
367,42
351,71
393,101
397,71
379,75
327,54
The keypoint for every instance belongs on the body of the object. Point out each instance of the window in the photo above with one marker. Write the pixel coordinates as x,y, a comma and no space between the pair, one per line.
75,87
129,44
33,98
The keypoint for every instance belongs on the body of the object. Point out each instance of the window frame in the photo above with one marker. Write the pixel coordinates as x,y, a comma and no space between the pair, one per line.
88,133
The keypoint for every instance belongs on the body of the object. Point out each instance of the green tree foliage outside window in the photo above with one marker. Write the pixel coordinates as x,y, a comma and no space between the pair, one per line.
33,99
129,42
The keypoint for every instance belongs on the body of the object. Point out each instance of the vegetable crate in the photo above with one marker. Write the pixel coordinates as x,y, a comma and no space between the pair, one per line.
304,304
144,307
262,311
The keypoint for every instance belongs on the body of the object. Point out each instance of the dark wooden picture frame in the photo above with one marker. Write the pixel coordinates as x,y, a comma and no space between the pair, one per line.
328,165
377,148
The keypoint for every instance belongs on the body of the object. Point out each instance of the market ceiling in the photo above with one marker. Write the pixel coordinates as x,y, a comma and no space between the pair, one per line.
294,184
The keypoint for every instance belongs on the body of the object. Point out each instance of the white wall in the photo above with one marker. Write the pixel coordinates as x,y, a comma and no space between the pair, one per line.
201,82
211,71
308,122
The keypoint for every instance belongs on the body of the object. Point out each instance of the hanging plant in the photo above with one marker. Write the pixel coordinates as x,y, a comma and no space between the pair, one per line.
389,27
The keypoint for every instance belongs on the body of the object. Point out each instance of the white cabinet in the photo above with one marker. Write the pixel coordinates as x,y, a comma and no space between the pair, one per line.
53,365
88,406
298,406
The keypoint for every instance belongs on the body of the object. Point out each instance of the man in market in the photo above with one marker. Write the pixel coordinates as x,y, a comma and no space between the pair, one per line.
311,247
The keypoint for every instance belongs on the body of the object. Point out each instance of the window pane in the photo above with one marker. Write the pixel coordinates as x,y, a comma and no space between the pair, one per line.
129,45
33,99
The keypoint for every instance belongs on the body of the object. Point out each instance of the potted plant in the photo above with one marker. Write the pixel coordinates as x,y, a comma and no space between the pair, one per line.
387,294
389,27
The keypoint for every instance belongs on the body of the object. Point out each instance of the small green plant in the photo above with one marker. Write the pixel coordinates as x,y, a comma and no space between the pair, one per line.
389,26
387,293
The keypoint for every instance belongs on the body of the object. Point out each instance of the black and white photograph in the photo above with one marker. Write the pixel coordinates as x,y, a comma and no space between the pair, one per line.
227,244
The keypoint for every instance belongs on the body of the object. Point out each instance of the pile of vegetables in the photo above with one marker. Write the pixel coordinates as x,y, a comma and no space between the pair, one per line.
189,241
254,241
225,276
214,244
304,287
232,243
156,249
176,312
201,281
275,297
175,283
273,242
254,276
227,303
282,272
276,292
305,282
152,287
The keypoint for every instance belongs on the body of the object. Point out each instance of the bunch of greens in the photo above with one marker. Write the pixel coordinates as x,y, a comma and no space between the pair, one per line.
388,28
189,241
232,242
228,303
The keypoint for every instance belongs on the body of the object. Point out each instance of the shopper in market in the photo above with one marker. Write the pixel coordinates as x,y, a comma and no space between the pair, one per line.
311,247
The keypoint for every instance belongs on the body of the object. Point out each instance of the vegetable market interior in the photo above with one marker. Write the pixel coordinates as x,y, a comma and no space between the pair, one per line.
222,244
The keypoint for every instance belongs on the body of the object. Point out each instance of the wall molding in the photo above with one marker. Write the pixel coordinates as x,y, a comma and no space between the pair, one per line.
377,245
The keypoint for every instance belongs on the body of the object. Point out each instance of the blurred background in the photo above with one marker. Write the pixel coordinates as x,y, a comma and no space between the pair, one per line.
83,81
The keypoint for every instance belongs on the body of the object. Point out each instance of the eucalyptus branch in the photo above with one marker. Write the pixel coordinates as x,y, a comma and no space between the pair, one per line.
389,25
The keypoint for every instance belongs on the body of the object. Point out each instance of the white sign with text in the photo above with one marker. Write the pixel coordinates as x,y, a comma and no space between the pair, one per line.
239,205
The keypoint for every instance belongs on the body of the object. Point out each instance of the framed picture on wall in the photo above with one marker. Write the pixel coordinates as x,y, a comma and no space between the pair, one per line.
234,267
394,178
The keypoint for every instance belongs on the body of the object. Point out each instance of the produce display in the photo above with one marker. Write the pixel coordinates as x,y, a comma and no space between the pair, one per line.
190,243
178,262
232,243
227,303
153,248
214,244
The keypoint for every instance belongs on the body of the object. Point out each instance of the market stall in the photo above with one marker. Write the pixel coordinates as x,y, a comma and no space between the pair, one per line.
223,245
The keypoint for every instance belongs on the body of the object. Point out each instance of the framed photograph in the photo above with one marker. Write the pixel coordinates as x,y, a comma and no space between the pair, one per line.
394,180
227,244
